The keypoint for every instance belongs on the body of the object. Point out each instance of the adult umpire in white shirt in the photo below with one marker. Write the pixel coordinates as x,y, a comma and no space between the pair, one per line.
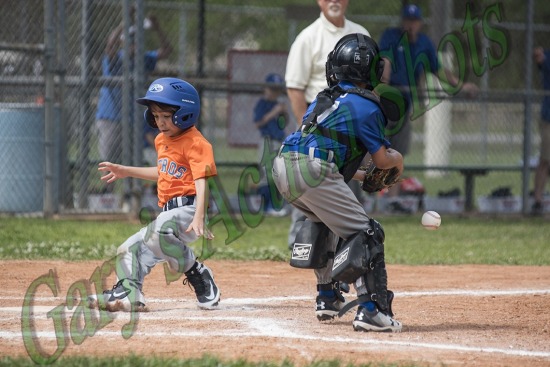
305,67
305,70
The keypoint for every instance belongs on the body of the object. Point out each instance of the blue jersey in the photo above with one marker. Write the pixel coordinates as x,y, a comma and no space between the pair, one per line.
109,104
272,129
395,45
545,69
355,125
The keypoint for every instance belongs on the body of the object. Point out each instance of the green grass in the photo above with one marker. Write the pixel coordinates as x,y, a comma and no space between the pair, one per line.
34,238
206,361
475,240
460,240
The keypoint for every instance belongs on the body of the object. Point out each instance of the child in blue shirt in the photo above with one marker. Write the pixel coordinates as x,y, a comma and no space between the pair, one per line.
270,117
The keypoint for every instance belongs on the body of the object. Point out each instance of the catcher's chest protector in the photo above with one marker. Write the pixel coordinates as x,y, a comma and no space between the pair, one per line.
356,150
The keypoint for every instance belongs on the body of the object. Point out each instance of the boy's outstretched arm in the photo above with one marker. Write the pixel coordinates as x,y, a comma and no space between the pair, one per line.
115,172
201,200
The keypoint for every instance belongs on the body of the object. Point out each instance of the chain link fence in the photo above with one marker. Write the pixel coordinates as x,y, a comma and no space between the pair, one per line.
64,107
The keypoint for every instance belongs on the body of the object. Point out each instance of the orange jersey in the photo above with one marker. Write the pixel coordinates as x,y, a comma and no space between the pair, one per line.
180,162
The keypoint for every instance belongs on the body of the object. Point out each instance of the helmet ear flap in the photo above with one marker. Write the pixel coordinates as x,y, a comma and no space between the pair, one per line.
148,116
175,119
378,70
328,70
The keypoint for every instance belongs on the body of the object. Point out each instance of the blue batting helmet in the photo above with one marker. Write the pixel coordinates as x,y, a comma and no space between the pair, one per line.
174,92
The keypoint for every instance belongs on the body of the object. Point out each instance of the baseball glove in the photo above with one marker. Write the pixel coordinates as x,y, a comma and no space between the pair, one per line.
377,179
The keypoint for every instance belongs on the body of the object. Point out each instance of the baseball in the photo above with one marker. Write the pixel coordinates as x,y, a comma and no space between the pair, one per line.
431,220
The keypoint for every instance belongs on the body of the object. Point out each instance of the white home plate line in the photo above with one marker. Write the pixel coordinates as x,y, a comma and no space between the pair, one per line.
474,293
263,300
458,292
244,302
265,327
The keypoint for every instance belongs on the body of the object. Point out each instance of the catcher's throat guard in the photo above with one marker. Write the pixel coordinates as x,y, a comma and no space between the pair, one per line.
310,249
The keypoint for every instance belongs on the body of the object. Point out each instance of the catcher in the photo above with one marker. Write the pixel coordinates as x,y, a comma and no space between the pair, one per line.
344,124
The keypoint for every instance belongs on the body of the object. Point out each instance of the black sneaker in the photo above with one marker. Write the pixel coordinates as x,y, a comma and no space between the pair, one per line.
327,308
124,296
201,279
375,321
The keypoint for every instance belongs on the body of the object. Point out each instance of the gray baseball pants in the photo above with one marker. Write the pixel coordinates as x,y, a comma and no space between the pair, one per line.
317,189
163,240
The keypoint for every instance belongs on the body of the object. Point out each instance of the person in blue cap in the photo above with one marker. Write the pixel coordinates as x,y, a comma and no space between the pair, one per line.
408,51
270,118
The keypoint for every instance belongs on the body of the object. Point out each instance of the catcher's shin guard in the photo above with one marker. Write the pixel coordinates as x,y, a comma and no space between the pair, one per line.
376,280
354,256
362,256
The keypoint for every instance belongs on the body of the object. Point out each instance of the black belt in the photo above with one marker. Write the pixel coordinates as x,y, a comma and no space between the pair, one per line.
325,155
178,202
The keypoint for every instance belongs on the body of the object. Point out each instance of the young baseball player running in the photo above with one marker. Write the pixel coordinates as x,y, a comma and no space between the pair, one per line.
342,125
185,161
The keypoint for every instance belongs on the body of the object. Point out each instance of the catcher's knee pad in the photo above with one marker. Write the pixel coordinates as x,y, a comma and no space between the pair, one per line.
311,247
352,258
361,258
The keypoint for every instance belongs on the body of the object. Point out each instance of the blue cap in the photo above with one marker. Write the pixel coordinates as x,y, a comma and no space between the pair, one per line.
411,11
275,79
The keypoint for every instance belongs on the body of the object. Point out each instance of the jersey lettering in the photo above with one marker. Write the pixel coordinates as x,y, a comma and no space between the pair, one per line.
162,163
179,172
171,168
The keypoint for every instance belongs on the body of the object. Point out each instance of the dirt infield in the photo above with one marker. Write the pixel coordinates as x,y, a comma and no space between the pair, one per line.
452,315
